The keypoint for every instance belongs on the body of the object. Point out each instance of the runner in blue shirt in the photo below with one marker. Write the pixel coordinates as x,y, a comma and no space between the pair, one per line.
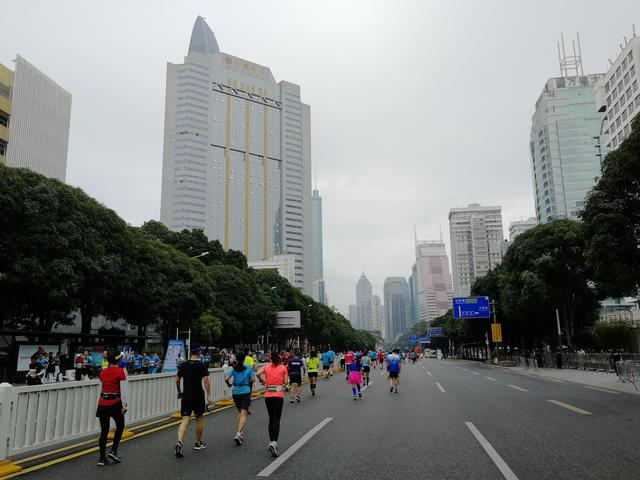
295,368
393,368
241,377
136,361
372,357
326,364
153,363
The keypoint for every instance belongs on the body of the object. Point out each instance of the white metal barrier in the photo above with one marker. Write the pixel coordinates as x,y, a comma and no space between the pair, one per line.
38,416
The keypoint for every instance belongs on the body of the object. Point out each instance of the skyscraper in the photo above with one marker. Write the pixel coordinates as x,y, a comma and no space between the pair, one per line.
564,131
353,316
363,302
316,245
237,155
433,284
377,315
35,113
617,95
397,306
520,226
476,244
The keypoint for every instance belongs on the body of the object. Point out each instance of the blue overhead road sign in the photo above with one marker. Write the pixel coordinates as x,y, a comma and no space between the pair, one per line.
471,307
413,339
436,332
425,339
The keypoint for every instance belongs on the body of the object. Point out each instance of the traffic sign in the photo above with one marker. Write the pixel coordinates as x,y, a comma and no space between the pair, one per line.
412,339
496,332
425,339
471,307
436,332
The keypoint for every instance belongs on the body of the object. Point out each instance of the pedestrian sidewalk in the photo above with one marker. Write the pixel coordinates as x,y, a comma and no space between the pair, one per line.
594,379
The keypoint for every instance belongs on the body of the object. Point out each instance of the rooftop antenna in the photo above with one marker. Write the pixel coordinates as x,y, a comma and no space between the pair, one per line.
633,27
570,65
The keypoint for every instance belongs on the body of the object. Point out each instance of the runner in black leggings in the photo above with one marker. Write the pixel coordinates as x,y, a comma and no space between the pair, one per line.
275,378
111,404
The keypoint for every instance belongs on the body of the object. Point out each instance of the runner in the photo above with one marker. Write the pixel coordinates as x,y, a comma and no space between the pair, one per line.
393,368
312,370
355,376
241,377
348,358
366,368
250,362
326,365
295,368
342,361
381,359
372,358
332,357
112,403
274,377
194,374
413,357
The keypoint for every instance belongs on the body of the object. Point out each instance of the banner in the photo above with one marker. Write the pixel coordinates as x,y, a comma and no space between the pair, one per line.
26,351
174,350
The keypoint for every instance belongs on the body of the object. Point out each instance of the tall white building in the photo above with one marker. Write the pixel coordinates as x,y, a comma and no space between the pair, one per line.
433,283
618,96
377,315
35,113
476,244
564,131
363,303
316,247
284,264
520,226
237,155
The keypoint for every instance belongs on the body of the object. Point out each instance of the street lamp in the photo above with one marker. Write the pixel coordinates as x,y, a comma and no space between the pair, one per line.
203,254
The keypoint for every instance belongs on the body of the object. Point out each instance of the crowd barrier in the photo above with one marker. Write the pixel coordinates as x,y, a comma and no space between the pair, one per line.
628,371
526,363
33,417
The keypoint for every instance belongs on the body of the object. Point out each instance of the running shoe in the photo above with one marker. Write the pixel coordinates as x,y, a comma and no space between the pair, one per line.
199,445
273,448
238,439
355,398
292,400
179,450
298,399
360,394
102,461
113,455
391,390
396,390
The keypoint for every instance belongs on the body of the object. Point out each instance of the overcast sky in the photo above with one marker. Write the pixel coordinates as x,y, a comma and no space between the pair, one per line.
417,106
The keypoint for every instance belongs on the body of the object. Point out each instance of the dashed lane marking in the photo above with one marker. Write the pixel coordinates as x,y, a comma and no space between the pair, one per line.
475,373
600,389
440,387
429,373
506,472
491,378
520,389
570,407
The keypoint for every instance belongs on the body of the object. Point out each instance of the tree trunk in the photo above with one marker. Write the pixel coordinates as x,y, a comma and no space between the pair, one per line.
567,326
86,316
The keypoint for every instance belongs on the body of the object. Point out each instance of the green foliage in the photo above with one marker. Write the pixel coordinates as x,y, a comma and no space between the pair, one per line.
611,219
455,329
614,335
207,329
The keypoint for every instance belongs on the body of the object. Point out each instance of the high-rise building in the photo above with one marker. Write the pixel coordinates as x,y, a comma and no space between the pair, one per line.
433,284
316,245
363,302
520,226
476,244
413,296
35,113
618,97
397,306
319,292
353,316
237,155
564,131
284,264
377,315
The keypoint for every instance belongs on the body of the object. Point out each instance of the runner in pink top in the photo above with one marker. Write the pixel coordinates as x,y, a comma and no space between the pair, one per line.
275,378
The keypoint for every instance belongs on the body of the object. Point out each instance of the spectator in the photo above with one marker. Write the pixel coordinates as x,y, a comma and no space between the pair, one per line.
78,364
35,373
87,365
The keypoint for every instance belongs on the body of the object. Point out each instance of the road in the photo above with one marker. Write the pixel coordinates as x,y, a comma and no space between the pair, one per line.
450,420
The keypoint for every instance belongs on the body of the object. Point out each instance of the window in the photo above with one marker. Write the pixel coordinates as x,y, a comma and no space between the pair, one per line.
632,70
626,78
609,100
618,72
624,63
606,87
634,86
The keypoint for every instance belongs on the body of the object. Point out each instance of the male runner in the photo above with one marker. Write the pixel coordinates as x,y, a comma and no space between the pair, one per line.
381,359
326,365
348,358
312,370
193,374
332,356
366,368
295,368
393,368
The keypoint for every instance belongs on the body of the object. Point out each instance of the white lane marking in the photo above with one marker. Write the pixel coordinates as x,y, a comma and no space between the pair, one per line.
366,386
273,466
570,407
507,473
515,387
465,369
475,373
591,387
381,373
491,378
552,379
428,373
440,387
423,366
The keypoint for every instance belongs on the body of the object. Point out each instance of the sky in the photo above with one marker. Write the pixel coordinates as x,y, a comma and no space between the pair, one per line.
416,106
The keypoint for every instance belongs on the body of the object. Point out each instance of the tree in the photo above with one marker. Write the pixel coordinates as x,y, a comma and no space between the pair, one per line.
611,219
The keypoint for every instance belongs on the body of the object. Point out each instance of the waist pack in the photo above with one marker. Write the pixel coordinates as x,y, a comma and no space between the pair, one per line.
275,388
109,396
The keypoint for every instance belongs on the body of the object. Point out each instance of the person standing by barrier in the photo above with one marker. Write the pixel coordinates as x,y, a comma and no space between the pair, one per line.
275,378
240,377
113,403
193,374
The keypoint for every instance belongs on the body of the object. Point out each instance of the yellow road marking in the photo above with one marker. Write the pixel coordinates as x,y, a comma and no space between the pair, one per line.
600,389
515,387
570,407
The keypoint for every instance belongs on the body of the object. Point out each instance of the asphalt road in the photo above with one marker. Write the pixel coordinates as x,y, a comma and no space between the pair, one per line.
450,420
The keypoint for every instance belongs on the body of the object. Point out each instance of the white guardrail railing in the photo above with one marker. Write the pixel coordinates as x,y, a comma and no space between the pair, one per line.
38,416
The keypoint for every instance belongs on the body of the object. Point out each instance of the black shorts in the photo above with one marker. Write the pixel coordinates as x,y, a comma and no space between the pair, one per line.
326,367
112,411
313,374
195,405
242,401
366,369
295,378
393,374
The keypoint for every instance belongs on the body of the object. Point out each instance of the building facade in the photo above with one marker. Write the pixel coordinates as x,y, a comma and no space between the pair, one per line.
433,283
618,96
377,315
35,114
236,161
353,315
284,264
564,159
319,292
317,268
363,303
520,226
397,306
476,244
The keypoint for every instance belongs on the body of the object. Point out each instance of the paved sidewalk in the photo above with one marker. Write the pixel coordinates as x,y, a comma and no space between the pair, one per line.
594,379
